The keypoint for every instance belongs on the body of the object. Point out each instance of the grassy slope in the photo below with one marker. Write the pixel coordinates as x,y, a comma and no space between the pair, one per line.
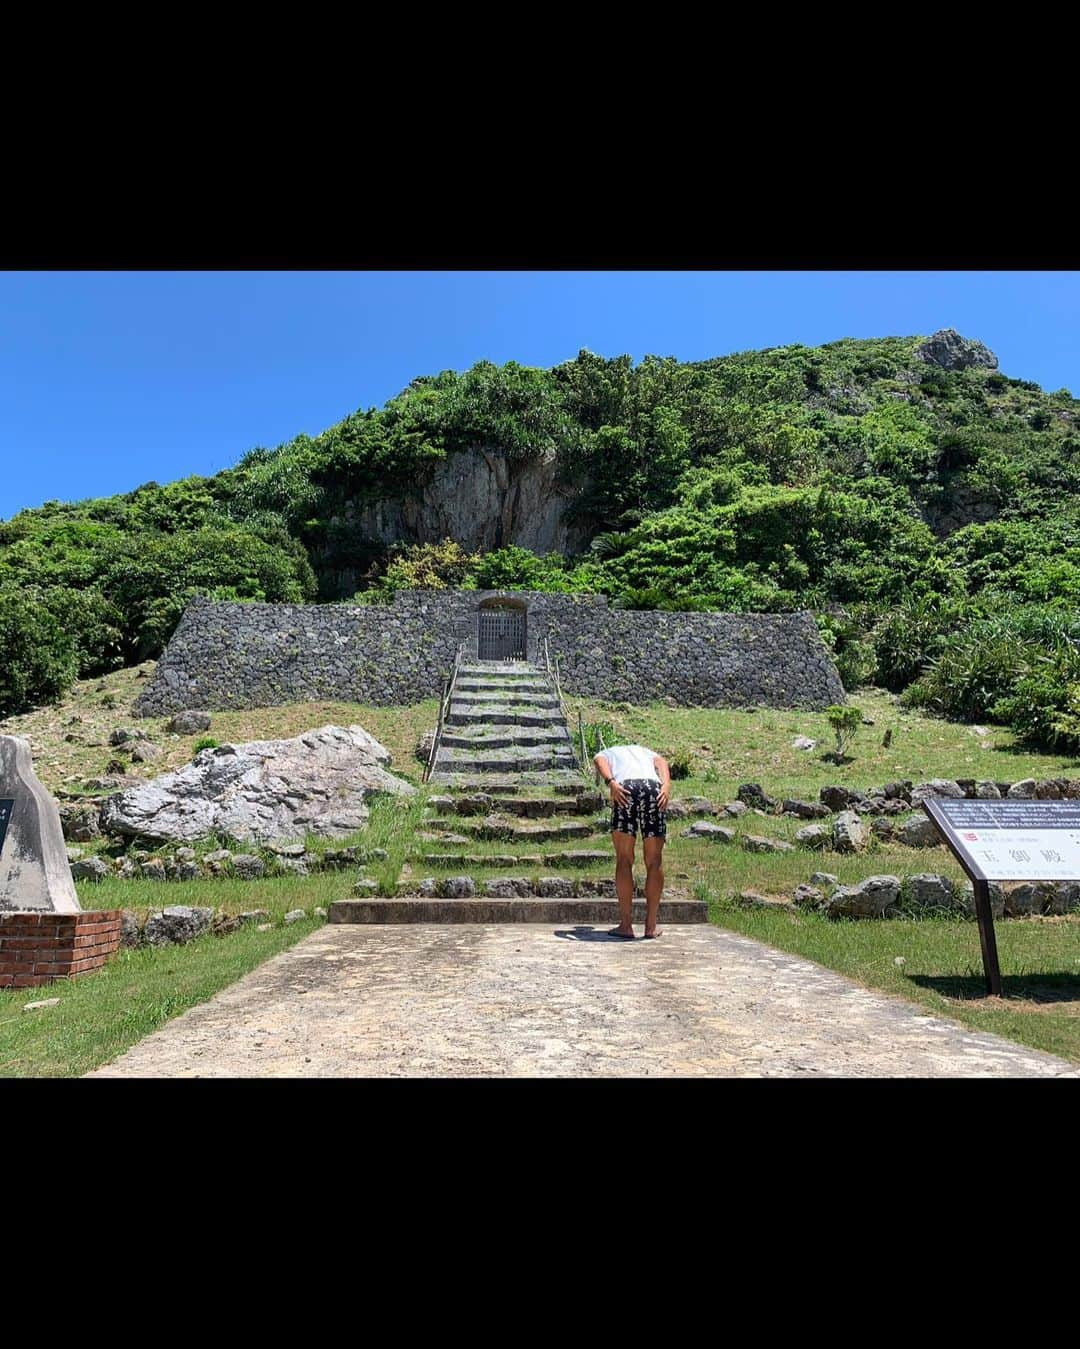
101,1015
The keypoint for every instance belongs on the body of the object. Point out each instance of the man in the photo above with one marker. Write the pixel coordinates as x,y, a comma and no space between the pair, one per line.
640,783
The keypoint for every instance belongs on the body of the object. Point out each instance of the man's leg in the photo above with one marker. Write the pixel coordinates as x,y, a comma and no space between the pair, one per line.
654,882
624,879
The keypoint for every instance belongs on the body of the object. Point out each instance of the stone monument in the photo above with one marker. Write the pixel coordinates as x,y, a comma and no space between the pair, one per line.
44,932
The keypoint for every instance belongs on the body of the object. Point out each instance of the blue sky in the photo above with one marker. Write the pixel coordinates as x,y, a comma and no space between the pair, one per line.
111,379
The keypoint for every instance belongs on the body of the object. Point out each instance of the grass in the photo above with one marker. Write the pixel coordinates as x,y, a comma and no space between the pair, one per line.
728,746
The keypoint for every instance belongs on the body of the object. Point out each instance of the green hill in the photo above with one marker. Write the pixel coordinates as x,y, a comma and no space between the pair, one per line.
922,503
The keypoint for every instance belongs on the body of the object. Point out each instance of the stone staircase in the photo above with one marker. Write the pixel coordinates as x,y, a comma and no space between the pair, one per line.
505,772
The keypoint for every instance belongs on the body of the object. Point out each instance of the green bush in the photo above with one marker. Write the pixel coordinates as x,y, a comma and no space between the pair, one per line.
680,766
38,659
204,742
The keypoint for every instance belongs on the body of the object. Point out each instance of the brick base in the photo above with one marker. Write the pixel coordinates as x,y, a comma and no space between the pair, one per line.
36,948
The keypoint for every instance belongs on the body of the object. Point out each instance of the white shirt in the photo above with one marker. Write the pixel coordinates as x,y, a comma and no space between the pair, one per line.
631,761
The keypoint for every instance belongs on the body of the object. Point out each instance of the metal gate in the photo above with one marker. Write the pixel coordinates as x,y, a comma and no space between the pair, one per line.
501,635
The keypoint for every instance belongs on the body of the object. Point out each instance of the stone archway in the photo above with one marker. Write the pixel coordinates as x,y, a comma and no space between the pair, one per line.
500,630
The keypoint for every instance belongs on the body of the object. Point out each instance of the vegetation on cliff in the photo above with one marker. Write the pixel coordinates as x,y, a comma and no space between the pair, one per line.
922,503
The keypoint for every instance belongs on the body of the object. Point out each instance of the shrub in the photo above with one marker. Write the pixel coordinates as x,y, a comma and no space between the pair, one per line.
38,659
204,742
845,722
681,766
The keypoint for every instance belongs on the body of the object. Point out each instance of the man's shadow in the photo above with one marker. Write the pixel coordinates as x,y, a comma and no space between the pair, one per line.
583,932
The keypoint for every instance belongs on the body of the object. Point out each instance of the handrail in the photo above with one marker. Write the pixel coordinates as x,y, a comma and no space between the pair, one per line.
444,709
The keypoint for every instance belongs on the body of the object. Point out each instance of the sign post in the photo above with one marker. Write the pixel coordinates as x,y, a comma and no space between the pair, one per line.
1007,841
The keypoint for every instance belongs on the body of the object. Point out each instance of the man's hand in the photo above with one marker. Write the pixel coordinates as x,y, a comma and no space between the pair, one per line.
664,774
619,795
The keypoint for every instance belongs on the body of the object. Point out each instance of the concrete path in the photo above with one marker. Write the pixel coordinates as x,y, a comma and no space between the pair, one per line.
529,1000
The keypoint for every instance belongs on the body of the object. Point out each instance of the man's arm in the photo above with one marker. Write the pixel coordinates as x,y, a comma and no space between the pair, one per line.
664,772
603,767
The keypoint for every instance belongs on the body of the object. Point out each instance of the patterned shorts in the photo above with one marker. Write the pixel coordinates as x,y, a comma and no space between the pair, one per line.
641,812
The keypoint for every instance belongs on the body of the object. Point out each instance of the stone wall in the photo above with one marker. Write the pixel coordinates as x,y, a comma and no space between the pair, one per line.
227,655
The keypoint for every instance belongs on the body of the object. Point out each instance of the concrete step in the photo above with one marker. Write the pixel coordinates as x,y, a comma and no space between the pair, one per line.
586,910
486,699
493,828
570,857
509,669
514,759
504,737
468,714
534,807
511,687
563,782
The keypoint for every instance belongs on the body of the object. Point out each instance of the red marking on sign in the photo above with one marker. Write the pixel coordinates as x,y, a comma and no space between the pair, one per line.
972,838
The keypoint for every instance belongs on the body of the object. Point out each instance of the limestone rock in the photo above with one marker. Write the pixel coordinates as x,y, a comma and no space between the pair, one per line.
918,832
871,898
807,810
930,891
177,925
90,869
81,823
735,809
457,887
145,752
987,791
189,723
258,792
295,916
947,349
507,887
814,836
248,867
706,829
759,843
849,832
555,887
1022,790
824,880
130,932
808,896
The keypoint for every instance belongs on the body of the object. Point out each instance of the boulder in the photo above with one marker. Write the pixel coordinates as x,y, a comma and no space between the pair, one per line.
807,810
706,829
814,836
808,896
555,887
130,932
145,752
735,809
457,887
928,891
836,798
751,794
987,791
508,887
849,832
189,723
1022,791
176,925
90,869
759,843
883,829
295,916
258,792
700,805
824,880
871,898
424,746
81,823
248,867
936,787
918,832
